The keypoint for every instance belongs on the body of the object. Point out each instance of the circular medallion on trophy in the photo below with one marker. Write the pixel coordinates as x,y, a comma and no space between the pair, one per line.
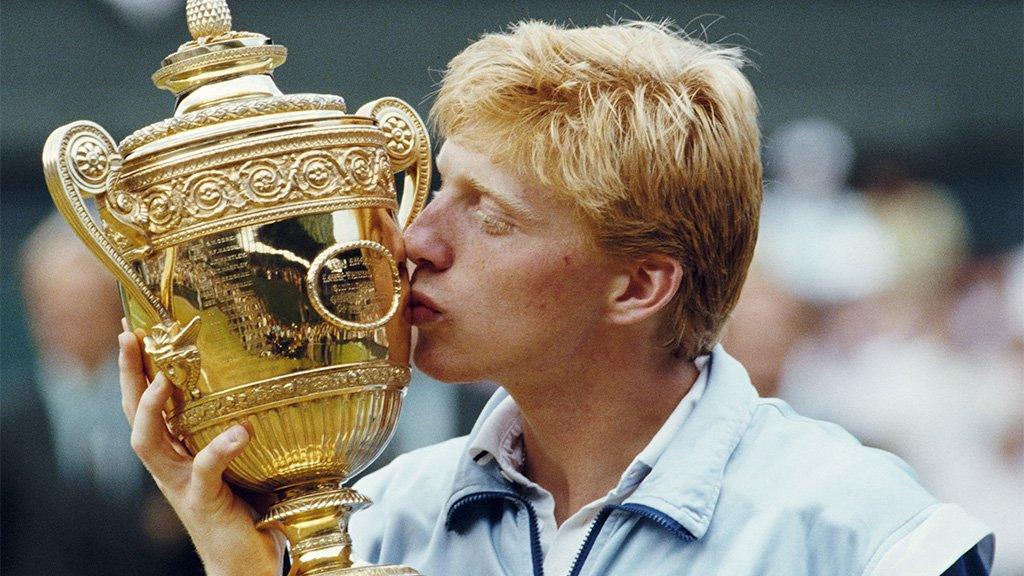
355,285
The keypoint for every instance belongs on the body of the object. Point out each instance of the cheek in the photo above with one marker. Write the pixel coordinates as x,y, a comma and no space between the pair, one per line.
549,289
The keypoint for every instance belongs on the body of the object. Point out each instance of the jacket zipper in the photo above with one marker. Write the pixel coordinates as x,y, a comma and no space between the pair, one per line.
535,549
588,542
592,532
638,509
660,519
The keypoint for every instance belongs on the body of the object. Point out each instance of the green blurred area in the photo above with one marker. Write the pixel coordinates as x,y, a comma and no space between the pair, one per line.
935,83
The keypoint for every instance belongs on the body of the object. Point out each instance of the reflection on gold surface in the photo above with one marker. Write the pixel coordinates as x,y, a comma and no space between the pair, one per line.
248,287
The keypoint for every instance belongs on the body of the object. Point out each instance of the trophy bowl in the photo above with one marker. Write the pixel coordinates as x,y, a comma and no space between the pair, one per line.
256,237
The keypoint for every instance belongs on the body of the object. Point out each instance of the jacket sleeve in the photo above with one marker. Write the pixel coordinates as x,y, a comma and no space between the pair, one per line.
948,541
970,564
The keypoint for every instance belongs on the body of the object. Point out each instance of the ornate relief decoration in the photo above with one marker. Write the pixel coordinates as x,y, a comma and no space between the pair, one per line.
175,353
408,147
230,111
81,162
199,195
317,501
402,138
300,387
208,18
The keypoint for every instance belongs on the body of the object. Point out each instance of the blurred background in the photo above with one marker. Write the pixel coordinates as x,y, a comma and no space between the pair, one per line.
887,292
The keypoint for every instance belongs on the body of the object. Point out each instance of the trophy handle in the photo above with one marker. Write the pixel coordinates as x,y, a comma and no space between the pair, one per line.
408,148
81,160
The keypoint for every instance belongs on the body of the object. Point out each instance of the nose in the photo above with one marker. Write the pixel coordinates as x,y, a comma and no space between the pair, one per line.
426,240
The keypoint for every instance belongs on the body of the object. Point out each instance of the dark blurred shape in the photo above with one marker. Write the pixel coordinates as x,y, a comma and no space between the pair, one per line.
75,499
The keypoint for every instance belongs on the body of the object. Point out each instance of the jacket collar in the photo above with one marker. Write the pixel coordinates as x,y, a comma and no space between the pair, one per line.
686,480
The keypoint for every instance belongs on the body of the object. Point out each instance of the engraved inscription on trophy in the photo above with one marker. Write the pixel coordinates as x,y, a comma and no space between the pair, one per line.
354,285
223,279
347,287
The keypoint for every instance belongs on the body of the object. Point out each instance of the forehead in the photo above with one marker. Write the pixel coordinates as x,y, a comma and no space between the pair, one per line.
461,165
538,210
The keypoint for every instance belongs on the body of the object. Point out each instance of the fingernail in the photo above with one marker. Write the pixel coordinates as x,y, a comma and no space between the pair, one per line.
124,324
159,381
237,434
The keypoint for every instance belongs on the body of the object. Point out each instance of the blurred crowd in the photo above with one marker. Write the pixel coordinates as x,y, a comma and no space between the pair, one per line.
864,307
75,498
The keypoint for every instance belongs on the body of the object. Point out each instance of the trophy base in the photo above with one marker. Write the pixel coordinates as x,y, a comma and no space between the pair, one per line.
366,570
361,570
314,518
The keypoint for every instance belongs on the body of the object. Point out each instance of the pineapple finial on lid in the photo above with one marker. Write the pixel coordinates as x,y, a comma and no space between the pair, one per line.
207,17
216,53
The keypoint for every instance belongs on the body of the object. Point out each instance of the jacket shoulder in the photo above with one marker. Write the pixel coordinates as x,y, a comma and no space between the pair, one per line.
409,495
816,483
807,462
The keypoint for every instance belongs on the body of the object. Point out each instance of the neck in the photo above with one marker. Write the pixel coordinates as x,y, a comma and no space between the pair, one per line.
584,424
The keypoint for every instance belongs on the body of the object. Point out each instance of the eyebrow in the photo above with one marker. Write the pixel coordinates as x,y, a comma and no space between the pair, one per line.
506,201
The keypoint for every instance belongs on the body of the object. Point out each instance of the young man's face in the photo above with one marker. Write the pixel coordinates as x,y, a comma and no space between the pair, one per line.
505,287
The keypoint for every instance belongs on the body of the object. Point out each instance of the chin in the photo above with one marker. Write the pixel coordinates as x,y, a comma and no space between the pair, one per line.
437,364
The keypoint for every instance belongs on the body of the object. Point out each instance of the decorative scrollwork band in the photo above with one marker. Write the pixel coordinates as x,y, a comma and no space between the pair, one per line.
298,387
173,206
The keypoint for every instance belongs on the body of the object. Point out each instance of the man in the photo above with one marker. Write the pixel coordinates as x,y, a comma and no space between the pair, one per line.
597,217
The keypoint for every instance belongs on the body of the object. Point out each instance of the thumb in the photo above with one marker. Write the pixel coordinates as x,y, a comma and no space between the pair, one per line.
211,461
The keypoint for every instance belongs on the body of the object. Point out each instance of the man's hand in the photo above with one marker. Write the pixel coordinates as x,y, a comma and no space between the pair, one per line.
219,521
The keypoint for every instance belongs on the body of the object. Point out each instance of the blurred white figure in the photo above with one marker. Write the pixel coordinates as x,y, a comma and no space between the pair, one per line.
818,236
145,14
954,415
988,327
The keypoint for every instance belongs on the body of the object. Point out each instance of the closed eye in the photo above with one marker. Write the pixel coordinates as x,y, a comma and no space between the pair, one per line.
492,224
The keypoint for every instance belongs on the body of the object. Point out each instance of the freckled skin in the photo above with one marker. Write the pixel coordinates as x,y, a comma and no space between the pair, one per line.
515,305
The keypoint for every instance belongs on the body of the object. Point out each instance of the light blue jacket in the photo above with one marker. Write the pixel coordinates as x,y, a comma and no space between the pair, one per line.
746,487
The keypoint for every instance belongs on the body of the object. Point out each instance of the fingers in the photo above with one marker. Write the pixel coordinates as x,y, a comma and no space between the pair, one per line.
150,438
133,378
210,463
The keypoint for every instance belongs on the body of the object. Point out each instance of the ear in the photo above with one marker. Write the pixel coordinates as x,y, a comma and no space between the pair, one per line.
645,287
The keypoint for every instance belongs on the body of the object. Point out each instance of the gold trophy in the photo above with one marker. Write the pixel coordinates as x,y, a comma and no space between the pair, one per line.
255,238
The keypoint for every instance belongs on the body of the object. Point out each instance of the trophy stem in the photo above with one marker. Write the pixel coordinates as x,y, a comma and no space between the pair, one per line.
314,518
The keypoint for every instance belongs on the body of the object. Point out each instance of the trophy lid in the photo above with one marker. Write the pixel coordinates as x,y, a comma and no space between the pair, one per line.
216,52
222,75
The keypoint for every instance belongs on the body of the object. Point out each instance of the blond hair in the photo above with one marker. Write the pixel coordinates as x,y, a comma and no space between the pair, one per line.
652,136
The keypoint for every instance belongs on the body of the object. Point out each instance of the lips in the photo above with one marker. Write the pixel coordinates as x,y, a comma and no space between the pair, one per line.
422,309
